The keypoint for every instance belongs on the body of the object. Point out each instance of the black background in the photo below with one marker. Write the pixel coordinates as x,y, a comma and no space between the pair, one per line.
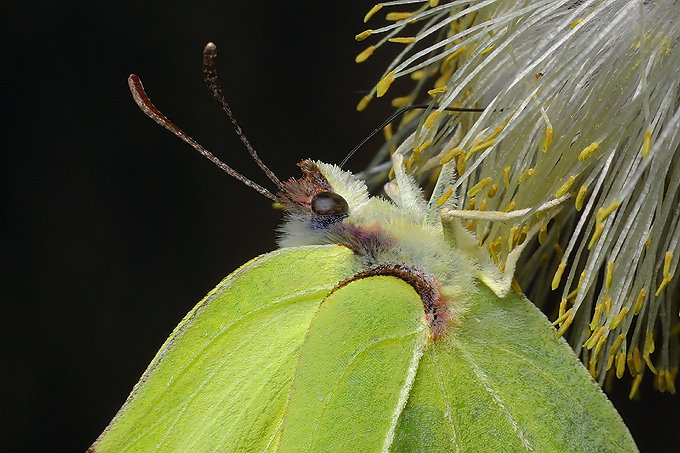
111,229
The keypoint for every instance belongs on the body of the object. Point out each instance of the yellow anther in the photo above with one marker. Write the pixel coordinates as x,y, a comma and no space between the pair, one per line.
278,206
649,343
481,146
607,302
510,206
572,294
620,364
387,131
385,83
603,213
635,361
487,50
668,259
506,177
408,163
450,155
418,75
363,103
548,138
511,237
640,301
575,23
635,387
599,346
580,279
482,205
565,325
666,280
610,362
596,317
403,39
649,363
526,175
390,175
493,251
618,318
429,121
434,3
435,91
646,143
441,81
492,190
454,54
471,226
670,380
367,52
563,308
460,163
471,203
474,190
565,187
522,235
558,276
395,15
363,35
661,381
610,274
599,228
558,250
617,344
543,234
441,200
373,10
423,146
587,151
580,197
649,349
400,101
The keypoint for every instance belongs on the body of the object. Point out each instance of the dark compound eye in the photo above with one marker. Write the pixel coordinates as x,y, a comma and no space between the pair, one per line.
329,203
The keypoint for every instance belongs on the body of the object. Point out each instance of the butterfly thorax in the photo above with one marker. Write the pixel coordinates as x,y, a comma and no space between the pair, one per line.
386,238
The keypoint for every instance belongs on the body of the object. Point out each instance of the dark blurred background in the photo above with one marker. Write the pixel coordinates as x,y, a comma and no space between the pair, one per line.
111,229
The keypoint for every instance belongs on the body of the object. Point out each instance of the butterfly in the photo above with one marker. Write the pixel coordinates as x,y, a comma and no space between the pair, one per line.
377,326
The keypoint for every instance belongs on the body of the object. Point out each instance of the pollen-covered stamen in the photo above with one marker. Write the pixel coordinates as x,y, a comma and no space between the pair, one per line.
436,308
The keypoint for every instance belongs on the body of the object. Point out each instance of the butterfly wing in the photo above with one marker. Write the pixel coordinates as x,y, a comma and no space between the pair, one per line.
503,382
221,380
356,368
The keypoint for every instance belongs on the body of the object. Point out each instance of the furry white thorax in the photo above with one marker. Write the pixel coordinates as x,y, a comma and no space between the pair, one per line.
416,242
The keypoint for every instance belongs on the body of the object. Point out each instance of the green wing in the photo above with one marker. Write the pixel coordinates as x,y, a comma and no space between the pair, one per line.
504,383
222,378
262,364
356,368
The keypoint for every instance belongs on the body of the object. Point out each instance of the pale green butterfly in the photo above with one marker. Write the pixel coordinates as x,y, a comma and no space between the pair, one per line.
371,329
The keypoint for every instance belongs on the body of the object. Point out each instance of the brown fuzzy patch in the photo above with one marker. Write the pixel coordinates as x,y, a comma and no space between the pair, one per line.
427,287
299,192
364,240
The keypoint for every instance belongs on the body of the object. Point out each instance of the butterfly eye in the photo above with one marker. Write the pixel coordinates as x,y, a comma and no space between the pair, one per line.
329,203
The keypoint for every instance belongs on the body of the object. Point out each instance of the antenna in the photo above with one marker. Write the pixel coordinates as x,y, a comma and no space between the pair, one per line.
392,117
144,103
213,84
